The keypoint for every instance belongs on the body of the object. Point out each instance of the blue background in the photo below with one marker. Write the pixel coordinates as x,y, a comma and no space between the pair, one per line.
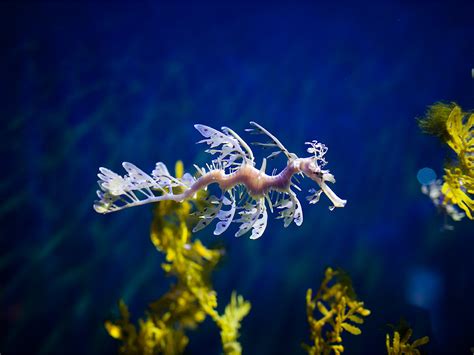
89,85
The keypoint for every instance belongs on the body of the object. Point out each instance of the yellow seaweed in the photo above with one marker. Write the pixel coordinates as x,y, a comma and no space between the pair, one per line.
340,311
460,126
229,323
400,345
457,189
455,128
458,186
434,122
190,300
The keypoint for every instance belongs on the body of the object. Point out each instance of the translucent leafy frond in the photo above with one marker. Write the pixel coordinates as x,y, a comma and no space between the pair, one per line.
315,196
188,180
274,142
226,145
318,149
225,216
135,188
244,145
107,202
209,213
253,218
165,180
138,179
291,210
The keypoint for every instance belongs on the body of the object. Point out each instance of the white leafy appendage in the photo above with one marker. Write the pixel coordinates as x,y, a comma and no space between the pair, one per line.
226,145
209,213
319,150
225,216
135,188
291,210
253,218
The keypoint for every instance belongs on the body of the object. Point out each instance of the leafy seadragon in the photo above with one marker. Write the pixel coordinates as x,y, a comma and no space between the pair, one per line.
232,169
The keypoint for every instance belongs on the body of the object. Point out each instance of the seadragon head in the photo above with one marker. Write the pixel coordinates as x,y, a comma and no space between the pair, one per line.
312,167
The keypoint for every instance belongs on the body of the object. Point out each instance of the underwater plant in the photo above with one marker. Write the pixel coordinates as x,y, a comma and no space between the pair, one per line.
190,300
400,345
234,167
456,129
340,311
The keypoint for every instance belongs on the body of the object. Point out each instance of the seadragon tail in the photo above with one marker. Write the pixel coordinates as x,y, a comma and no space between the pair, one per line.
136,187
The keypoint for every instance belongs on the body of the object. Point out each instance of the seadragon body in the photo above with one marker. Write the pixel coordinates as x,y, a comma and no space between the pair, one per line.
244,187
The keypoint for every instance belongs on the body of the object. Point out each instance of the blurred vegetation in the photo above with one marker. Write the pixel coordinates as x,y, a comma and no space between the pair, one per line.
456,129
190,300
340,311
399,344
434,121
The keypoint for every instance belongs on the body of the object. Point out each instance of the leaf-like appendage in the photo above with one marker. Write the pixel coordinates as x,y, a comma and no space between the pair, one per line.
188,179
111,182
208,214
291,210
139,179
228,147
133,189
318,149
253,218
315,196
225,217
163,178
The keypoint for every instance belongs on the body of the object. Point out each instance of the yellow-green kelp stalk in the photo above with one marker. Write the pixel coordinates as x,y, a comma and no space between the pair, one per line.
456,129
340,311
190,299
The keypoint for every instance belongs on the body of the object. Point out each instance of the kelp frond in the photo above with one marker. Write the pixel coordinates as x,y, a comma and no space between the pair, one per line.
434,121
458,189
152,336
229,324
455,128
460,126
190,300
339,311
399,345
